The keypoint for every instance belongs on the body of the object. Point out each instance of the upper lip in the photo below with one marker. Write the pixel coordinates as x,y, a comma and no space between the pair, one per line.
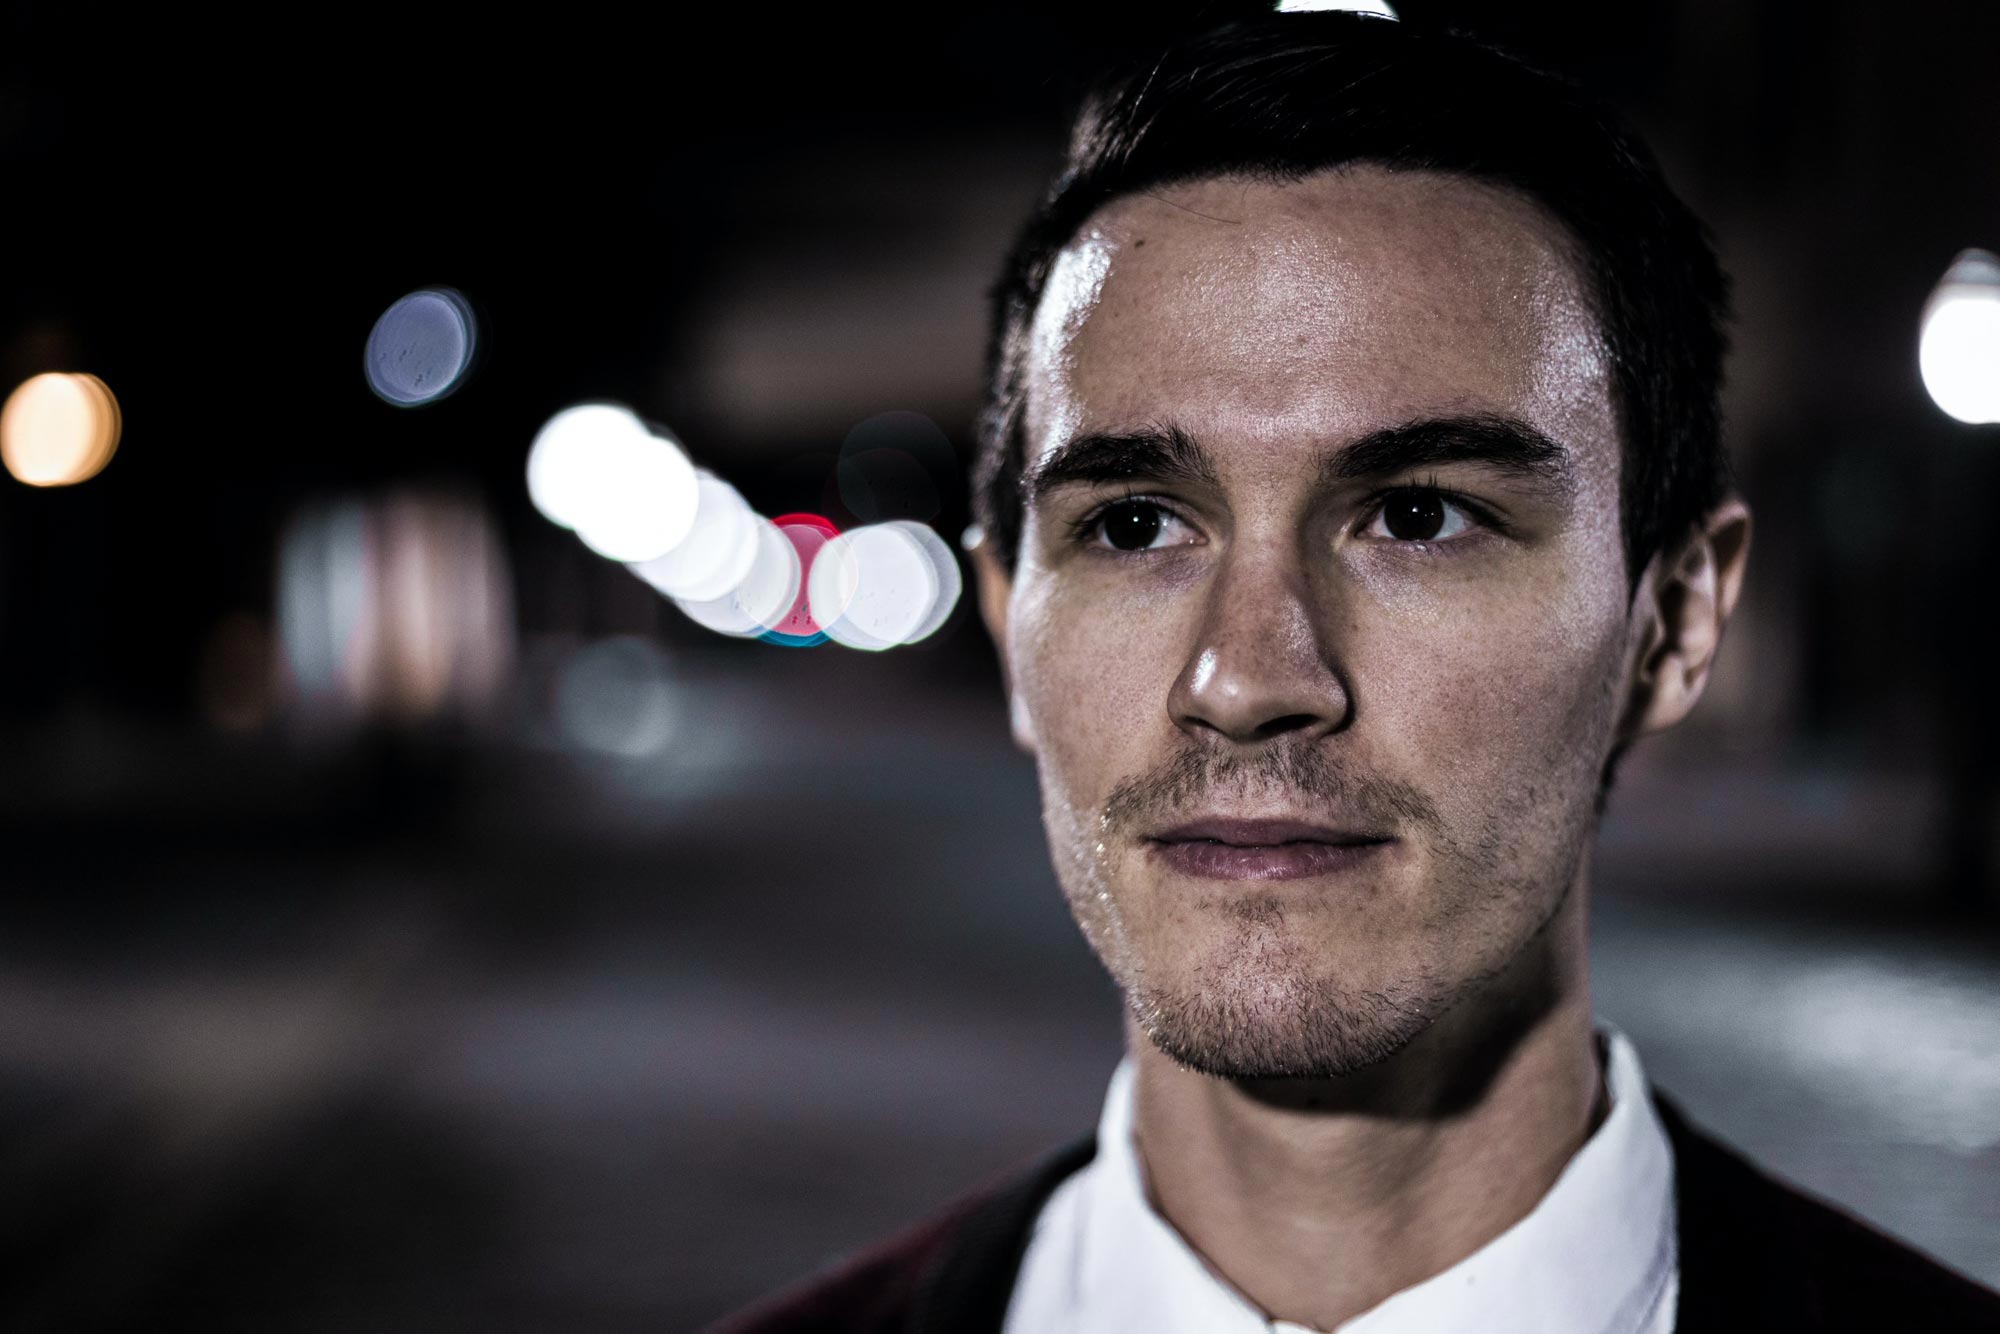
1264,832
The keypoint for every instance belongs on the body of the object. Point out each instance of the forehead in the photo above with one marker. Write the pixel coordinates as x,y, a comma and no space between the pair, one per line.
1310,311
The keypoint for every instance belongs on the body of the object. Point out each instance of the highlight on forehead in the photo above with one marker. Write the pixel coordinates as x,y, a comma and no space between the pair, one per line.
1165,453
1353,255
1075,281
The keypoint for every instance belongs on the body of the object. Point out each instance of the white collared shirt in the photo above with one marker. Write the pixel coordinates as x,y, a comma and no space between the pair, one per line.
1597,1255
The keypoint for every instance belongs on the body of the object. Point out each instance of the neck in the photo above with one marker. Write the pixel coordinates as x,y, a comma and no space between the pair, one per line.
1319,1199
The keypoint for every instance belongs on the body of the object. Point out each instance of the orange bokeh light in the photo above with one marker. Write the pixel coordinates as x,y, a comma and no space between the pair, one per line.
59,429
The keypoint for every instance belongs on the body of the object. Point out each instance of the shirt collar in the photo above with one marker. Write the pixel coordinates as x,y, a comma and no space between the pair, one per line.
1593,1257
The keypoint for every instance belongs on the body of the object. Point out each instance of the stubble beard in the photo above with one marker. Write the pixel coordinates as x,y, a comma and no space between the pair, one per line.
1263,1009
1259,1005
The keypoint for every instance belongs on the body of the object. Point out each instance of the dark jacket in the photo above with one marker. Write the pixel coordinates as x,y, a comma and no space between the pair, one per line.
1754,1253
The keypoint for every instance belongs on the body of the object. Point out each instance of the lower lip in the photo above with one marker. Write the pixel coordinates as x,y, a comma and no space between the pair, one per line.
1271,861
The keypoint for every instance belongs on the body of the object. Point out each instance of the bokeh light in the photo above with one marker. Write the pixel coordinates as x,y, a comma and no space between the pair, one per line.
716,554
59,429
326,607
615,697
421,347
808,534
1959,350
633,496
399,607
874,587
764,596
570,457
950,581
642,504
630,495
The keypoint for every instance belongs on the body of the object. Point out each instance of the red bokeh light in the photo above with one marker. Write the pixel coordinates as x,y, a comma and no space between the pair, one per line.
807,534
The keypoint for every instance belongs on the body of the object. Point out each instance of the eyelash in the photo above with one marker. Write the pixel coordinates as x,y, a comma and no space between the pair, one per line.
1083,530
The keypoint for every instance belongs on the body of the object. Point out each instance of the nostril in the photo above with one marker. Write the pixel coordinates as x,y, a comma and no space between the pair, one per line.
1291,722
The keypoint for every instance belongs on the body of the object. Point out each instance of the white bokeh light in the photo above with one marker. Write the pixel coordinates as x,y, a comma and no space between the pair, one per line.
629,494
764,595
872,588
572,453
1959,350
642,503
716,554
950,582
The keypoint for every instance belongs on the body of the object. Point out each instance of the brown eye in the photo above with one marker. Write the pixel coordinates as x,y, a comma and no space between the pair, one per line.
1132,525
1416,514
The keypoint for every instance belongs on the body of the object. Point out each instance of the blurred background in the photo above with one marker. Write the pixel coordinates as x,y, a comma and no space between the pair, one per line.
413,920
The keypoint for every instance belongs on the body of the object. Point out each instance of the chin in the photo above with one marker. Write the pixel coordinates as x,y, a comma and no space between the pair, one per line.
1247,1020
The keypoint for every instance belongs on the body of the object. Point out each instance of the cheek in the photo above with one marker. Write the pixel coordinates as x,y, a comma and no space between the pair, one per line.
1501,705
1095,672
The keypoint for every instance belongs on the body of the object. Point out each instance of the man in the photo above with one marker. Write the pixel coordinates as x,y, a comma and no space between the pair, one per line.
1352,497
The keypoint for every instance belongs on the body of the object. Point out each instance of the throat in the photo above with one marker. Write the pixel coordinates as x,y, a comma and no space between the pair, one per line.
1317,1207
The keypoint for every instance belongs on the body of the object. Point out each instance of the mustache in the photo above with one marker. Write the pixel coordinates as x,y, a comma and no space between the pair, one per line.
1298,773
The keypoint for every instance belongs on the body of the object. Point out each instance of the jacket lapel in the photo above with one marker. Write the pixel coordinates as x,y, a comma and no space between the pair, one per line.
1741,1266
966,1288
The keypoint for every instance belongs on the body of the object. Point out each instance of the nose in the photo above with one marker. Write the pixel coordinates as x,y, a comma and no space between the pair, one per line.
1259,665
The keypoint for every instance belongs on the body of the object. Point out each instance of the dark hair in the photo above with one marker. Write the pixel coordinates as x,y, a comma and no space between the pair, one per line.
1279,96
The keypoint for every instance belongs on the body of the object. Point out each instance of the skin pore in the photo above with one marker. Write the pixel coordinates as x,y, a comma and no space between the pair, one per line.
1347,1081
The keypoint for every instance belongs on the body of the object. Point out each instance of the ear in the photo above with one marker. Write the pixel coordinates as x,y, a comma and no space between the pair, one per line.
1686,609
996,593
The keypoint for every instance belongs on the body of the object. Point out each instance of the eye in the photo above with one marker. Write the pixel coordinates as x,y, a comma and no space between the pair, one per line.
1419,514
1133,524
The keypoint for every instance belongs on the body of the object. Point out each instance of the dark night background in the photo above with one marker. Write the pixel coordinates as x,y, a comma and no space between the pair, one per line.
404,1020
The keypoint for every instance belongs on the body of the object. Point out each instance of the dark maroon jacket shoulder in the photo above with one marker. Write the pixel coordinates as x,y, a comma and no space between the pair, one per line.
954,1271
1755,1254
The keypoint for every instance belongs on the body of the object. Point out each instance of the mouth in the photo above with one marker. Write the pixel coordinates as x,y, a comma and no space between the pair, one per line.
1278,849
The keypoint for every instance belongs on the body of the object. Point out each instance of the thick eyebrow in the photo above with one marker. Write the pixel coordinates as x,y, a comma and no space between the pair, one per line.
1169,454
1153,454
1499,441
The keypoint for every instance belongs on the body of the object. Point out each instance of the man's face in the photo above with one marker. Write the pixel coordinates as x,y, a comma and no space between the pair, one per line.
1241,633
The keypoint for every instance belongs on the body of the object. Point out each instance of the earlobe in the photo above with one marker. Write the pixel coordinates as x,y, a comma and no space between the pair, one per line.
996,591
1688,608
